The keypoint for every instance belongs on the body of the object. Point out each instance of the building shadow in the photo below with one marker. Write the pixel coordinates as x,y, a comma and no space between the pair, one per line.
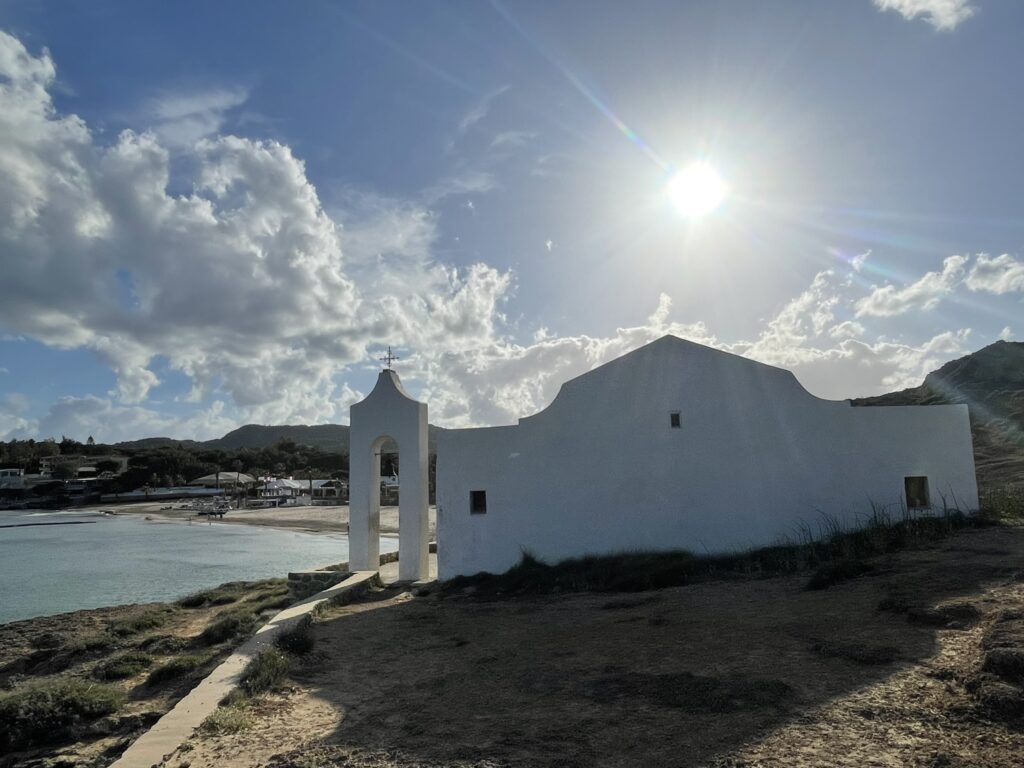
678,676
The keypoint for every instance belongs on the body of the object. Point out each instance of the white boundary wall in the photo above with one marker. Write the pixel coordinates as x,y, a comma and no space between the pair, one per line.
601,470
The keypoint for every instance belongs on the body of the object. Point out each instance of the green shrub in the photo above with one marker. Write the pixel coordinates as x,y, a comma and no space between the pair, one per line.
222,595
124,666
229,719
235,591
177,668
163,644
89,643
276,603
298,640
198,600
230,625
267,593
264,673
1005,503
139,623
53,713
77,650
47,640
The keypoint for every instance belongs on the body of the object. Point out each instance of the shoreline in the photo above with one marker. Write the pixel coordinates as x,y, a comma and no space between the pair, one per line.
308,519
326,525
141,657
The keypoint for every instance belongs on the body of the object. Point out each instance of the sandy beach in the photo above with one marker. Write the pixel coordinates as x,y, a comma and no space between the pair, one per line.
312,519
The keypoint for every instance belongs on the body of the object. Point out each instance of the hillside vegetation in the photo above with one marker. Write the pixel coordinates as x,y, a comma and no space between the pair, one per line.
329,438
991,383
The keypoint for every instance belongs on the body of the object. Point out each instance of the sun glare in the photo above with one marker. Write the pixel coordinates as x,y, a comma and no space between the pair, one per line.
696,190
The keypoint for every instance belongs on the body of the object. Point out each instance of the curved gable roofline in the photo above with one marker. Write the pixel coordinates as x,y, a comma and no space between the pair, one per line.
674,344
669,345
388,385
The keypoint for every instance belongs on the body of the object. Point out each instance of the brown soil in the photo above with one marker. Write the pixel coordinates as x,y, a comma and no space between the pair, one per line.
915,664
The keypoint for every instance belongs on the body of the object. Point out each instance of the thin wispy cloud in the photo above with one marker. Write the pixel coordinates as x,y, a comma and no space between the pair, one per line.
465,182
546,165
512,138
183,118
479,110
941,14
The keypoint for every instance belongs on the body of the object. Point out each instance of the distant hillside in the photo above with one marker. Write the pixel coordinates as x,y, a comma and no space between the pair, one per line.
330,438
991,383
326,437
152,443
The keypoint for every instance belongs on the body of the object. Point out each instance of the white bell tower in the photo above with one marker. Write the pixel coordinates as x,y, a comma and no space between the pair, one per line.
388,412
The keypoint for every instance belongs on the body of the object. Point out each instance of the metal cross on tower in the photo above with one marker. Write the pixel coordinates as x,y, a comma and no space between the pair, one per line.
389,358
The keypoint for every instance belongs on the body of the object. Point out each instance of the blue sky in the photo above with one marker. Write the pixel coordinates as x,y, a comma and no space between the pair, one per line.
212,214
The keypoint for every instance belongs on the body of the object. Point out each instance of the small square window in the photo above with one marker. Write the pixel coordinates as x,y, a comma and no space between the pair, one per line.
675,420
916,489
478,502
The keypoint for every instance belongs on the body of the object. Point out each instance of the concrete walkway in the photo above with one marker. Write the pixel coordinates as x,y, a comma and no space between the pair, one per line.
188,714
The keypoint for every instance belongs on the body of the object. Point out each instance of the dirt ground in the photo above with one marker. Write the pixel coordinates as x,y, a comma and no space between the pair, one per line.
884,670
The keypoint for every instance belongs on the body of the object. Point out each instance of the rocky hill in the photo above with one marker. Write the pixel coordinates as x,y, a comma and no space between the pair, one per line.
991,383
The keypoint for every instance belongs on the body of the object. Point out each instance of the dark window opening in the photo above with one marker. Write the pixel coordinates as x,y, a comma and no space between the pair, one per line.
916,489
675,420
478,502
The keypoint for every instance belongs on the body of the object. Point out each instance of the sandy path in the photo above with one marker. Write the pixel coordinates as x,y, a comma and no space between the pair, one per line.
739,674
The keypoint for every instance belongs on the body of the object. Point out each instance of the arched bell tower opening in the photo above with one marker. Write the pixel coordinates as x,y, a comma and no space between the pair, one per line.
388,414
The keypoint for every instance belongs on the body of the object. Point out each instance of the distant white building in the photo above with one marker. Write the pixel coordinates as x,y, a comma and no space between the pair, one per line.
672,446
232,480
84,466
12,478
328,491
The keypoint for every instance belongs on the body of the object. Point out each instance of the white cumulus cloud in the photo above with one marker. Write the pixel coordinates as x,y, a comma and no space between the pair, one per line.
924,293
1002,274
267,302
241,284
941,14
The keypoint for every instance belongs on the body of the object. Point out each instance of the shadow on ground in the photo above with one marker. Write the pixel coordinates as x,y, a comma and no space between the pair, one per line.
686,676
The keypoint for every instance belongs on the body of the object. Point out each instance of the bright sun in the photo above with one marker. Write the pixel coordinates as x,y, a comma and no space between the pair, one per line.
696,190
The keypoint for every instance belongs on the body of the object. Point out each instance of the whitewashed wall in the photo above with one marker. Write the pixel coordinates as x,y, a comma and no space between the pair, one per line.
601,470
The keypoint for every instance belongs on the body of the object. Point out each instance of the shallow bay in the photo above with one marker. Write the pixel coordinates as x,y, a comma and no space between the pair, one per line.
121,559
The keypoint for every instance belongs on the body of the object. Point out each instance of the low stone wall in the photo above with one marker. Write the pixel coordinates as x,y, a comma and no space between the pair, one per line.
302,584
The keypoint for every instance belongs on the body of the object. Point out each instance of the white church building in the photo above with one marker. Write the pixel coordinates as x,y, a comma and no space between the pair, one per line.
672,446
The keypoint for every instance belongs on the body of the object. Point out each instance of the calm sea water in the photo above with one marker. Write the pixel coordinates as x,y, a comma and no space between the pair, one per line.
125,559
